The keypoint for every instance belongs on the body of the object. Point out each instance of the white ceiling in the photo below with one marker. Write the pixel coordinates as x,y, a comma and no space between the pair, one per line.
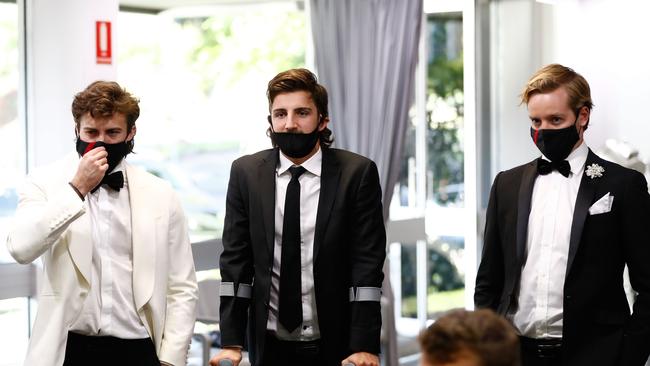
159,5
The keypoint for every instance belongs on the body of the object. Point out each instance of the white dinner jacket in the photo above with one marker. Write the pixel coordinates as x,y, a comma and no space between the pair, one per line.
51,223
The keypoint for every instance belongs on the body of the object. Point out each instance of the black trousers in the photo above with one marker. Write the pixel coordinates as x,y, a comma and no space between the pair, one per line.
291,353
84,350
540,352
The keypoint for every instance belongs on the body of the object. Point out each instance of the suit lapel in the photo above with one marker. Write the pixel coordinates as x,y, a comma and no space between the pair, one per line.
329,183
145,213
523,208
583,202
266,178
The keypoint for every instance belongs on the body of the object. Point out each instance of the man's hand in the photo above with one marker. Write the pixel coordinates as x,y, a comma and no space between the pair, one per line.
228,353
91,170
361,359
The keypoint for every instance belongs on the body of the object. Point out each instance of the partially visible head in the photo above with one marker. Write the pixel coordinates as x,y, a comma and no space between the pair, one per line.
107,112
470,338
298,87
558,79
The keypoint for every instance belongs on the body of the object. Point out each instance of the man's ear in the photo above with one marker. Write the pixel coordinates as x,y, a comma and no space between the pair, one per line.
583,117
322,123
268,118
131,134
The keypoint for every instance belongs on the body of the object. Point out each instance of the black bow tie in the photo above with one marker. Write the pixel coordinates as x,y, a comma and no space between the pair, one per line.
544,167
113,180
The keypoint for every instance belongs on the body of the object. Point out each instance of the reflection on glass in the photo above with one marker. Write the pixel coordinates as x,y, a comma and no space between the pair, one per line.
444,120
201,76
443,155
444,110
445,275
12,141
409,281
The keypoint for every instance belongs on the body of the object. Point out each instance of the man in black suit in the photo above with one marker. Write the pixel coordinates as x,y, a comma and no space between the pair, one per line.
559,232
304,242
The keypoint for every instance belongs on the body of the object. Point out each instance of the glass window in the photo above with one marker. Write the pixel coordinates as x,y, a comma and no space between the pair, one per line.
444,110
432,181
14,313
201,75
12,130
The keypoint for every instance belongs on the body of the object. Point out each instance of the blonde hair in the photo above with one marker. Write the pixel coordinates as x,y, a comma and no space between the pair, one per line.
553,76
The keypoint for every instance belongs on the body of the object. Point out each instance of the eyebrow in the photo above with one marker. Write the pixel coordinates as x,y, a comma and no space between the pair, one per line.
560,114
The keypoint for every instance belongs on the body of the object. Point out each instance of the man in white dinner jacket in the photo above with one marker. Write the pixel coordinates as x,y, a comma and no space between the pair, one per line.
119,285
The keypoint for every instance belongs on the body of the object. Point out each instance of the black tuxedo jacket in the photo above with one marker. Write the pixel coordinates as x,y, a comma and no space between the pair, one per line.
349,252
597,326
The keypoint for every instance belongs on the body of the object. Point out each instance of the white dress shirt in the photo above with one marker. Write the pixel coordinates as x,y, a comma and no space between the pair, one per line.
541,291
109,309
309,196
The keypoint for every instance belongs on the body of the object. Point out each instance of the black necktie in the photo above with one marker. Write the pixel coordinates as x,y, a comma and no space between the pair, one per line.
113,180
290,276
544,167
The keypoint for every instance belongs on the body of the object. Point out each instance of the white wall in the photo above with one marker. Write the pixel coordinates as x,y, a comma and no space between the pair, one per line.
607,42
514,58
60,45
604,40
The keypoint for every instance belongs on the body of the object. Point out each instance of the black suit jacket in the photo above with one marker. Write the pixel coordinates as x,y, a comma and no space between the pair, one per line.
349,251
597,326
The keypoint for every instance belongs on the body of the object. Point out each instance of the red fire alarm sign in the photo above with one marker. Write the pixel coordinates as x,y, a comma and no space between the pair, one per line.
103,42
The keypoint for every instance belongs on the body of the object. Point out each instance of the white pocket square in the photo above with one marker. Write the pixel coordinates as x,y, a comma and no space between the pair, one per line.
603,205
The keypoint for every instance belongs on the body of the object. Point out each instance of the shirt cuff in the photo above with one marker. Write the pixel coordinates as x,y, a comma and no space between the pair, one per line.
165,363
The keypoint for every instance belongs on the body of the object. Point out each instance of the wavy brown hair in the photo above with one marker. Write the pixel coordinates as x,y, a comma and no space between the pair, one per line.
553,76
482,332
102,99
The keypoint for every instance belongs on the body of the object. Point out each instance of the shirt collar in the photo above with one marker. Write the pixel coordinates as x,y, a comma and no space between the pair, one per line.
312,165
578,158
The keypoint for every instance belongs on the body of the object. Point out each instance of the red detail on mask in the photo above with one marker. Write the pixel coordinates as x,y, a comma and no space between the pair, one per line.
535,137
89,147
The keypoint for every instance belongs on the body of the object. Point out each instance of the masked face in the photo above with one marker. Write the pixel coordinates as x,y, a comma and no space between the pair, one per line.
295,124
116,152
556,144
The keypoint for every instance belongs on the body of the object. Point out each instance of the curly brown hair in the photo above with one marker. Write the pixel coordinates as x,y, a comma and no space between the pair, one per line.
103,99
301,80
482,332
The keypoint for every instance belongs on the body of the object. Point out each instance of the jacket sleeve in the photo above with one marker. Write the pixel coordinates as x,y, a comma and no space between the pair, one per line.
182,290
236,263
635,233
367,254
41,218
490,275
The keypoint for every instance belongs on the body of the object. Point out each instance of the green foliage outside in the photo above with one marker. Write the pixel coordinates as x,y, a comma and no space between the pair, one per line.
230,45
445,112
437,302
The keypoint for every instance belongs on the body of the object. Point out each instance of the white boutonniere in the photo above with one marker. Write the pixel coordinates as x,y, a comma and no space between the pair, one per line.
594,171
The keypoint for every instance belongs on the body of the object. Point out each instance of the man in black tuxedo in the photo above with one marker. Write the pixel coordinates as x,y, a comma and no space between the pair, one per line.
304,242
559,232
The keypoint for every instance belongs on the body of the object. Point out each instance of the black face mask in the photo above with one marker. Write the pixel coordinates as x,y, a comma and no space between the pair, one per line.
116,152
556,144
295,145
